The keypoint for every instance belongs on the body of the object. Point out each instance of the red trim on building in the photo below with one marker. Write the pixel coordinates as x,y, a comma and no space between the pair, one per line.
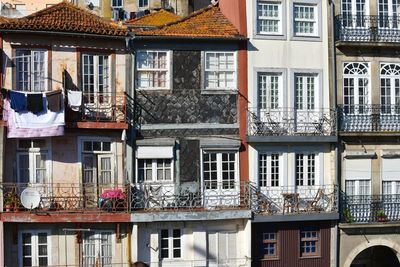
44,217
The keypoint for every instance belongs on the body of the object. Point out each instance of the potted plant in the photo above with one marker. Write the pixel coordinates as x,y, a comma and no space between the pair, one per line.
381,216
348,218
9,201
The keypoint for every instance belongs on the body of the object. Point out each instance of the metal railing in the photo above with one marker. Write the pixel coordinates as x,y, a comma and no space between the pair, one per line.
369,118
101,107
290,121
294,199
59,197
367,28
191,196
231,262
370,208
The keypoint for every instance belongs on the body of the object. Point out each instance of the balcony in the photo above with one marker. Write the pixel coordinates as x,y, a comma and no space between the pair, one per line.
67,198
291,200
371,208
291,122
369,118
191,197
367,29
101,110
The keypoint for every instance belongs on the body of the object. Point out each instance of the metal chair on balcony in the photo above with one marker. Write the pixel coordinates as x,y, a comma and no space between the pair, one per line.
314,205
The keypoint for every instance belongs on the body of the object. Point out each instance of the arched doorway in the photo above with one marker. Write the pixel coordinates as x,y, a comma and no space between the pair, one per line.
376,256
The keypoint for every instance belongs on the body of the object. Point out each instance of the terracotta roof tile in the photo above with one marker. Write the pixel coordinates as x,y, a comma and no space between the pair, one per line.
207,22
158,18
65,17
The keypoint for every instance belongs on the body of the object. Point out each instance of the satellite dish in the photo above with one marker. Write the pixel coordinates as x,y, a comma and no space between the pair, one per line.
30,198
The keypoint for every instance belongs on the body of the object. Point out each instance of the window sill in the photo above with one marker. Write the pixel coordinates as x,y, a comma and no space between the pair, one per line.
219,92
310,257
155,91
265,36
309,38
270,259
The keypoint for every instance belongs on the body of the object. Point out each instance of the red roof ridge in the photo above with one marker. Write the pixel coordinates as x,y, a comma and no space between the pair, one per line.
132,21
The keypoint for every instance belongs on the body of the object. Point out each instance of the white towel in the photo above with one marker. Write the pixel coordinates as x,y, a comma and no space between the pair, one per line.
74,100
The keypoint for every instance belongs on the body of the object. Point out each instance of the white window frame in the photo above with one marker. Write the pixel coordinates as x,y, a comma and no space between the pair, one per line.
97,234
154,70
34,246
390,12
106,79
221,260
354,105
154,170
218,70
142,7
120,2
269,18
32,152
267,182
305,166
314,21
393,185
219,182
390,72
357,187
171,246
308,101
265,90
28,85
352,14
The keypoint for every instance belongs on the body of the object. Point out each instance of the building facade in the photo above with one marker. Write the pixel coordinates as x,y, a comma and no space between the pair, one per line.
366,62
291,132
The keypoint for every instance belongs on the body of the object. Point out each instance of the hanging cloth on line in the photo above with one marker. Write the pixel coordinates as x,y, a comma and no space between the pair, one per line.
74,100
18,101
54,101
35,102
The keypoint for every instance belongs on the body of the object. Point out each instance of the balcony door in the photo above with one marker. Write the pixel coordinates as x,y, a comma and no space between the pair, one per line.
270,98
356,88
389,11
390,88
354,13
220,178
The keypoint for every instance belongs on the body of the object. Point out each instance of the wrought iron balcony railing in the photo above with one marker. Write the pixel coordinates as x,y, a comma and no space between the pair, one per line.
171,197
290,121
369,118
294,199
362,28
101,107
370,208
60,198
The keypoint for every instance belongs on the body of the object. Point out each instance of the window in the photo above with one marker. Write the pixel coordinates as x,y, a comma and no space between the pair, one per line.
358,176
305,20
153,69
221,248
97,249
219,170
270,245
354,12
390,88
391,187
388,11
358,187
31,70
269,90
143,4
220,70
151,170
356,88
33,161
117,4
34,248
390,175
170,243
97,162
309,242
269,17
305,169
95,77
268,174
305,87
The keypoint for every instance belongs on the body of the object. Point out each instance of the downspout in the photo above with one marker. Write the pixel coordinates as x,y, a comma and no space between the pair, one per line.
337,150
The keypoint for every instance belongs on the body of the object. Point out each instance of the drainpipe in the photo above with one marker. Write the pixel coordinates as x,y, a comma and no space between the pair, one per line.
337,150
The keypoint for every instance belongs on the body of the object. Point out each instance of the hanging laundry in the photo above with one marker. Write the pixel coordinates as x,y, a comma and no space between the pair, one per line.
4,93
35,103
74,100
54,101
18,101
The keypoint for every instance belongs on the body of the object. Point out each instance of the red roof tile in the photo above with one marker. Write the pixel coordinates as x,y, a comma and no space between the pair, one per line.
65,17
154,19
207,22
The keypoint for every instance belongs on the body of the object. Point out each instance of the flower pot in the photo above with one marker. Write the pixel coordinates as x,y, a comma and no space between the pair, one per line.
382,219
8,207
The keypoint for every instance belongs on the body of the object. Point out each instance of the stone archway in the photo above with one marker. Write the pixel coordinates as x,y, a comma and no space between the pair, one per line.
379,243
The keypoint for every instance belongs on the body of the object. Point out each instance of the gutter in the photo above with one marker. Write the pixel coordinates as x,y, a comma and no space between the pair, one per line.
66,33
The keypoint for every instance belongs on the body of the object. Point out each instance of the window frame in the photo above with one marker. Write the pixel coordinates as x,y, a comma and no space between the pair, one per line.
279,18
317,239
154,170
312,21
268,178
219,182
275,241
305,103
168,70
34,246
30,63
283,34
117,6
107,87
205,70
317,37
142,7
357,187
268,104
305,159
97,243
171,246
